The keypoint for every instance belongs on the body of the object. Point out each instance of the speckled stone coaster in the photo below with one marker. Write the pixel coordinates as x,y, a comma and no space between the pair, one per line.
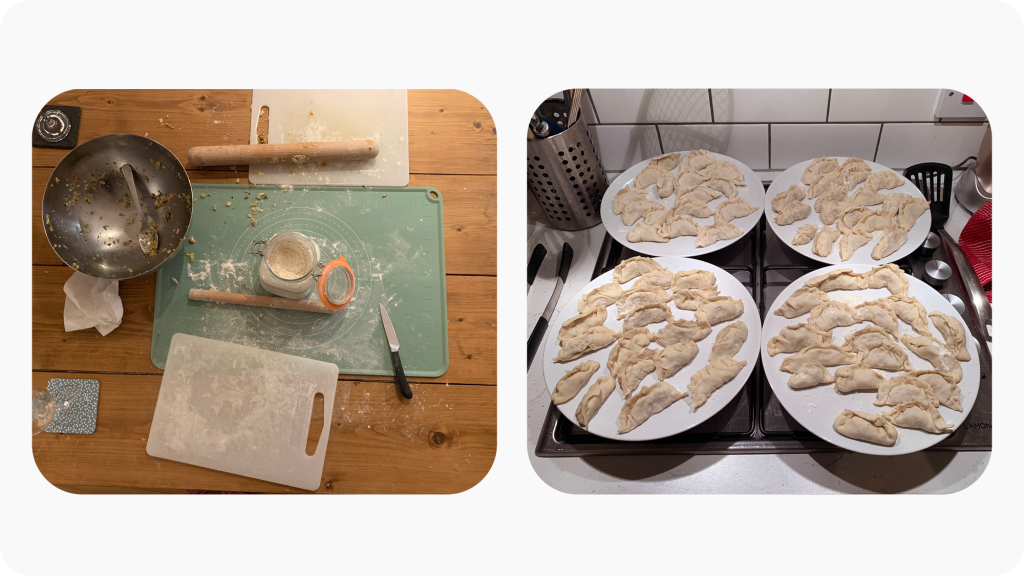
75,403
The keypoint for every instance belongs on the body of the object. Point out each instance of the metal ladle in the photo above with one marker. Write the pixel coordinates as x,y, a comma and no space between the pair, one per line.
149,240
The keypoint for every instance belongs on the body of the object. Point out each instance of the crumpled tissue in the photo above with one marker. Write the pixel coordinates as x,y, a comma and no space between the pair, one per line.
91,302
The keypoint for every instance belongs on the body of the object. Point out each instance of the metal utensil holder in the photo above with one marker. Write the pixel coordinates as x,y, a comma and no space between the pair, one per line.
567,178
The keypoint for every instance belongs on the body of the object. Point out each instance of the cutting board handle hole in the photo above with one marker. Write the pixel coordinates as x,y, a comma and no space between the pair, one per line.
433,194
316,424
263,126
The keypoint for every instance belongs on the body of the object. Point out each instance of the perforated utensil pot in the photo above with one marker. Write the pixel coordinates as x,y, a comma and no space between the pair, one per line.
566,177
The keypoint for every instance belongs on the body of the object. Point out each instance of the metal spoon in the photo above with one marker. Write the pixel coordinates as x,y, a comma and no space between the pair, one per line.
149,241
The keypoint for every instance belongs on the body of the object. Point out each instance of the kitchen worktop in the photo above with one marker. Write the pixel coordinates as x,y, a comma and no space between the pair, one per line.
441,441
822,473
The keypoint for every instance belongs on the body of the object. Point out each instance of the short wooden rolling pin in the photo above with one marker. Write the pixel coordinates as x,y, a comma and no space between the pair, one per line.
288,153
258,301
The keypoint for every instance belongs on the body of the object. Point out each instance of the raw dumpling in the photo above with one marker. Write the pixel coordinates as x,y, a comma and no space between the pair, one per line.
711,378
796,338
644,232
636,209
698,160
850,243
688,180
830,211
818,168
629,344
671,359
679,330
647,314
919,415
953,332
864,197
865,427
795,193
866,338
678,225
889,277
935,353
691,299
894,201
849,218
590,341
911,211
875,220
654,174
580,323
824,354
838,279
943,387
718,309
626,195
853,164
828,188
805,234
854,177
801,302
729,341
692,279
887,356
656,279
809,375
911,311
708,235
692,207
594,399
634,370
569,386
637,299
724,170
728,189
824,240
600,297
701,193
858,378
902,389
657,216
650,401
792,212
635,266
729,210
667,161
825,317
883,181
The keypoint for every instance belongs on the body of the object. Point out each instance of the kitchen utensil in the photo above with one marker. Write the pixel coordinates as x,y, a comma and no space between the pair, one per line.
394,234
679,417
981,307
935,182
792,175
566,177
242,410
539,252
396,360
289,153
304,116
57,127
537,336
149,238
816,408
574,105
258,301
936,272
539,128
683,245
84,213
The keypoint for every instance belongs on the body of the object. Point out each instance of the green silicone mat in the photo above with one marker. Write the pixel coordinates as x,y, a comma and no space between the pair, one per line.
393,238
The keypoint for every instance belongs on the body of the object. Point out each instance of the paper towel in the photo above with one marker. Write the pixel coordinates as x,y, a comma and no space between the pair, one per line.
91,302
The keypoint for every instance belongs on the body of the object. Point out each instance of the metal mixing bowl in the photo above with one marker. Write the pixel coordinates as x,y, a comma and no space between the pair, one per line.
84,206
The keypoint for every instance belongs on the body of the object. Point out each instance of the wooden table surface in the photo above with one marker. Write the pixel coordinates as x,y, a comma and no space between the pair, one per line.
442,441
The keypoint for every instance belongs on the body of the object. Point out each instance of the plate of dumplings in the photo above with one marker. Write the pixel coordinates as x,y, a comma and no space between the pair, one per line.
844,209
651,348
870,359
686,203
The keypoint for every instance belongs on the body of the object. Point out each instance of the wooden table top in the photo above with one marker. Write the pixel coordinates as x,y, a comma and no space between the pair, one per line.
441,441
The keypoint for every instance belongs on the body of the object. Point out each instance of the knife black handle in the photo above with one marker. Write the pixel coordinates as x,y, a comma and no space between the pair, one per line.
535,261
563,268
535,339
403,384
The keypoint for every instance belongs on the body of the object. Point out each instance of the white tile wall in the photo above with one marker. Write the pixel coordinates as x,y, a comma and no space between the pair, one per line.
793,143
904,145
640,106
747,143
623,146
883,105
769,105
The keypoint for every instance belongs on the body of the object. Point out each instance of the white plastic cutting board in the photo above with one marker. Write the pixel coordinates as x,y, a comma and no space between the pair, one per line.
335,115
241,410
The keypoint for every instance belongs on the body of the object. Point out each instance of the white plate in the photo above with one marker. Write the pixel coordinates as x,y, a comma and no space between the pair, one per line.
816,408
915,237
678,417
683,245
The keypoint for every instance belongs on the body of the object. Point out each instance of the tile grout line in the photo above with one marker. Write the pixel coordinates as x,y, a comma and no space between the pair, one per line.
878,144
594,107
711,106
769,146
828,107
661,145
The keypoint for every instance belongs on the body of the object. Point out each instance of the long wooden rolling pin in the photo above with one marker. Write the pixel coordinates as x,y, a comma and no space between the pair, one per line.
259,301
297,153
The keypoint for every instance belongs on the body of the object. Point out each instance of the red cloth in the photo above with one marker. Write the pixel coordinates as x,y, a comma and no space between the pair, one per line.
976,242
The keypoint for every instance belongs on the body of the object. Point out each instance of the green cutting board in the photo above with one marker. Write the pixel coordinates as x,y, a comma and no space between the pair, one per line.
393,238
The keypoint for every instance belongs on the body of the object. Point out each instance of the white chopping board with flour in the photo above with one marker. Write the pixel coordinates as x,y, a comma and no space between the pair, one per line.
329,116
241,410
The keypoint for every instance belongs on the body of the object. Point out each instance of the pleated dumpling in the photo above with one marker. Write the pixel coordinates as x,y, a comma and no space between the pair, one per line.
592,340
928,348
824,354
654,174
700,193
809,375
569,386
795,338
910,212
805,234
817,168
647,314
708,235
858,378
850,243
654,279
692,279
711,378
691,299
888,356
792,212
635,266
918,415
839,279
633,371
824,241
678,225
582,322
593,400
627,195
849,218
865,427
682,329
953,332
667,161
629,344
866,338
636,209
795,193
828,188
718,309
902,388
600,297
729,341
698,160
687,180
876,220
883,181
865,197
890,242
671,359
636,299
801,302
943,386
728,189
890,277
651,400
730,210
724,170
645,232
657,216
878,312
911,311
833,314
692,207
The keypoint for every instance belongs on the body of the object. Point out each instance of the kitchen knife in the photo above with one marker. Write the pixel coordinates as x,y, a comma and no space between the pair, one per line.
396,362
538,331
535,261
